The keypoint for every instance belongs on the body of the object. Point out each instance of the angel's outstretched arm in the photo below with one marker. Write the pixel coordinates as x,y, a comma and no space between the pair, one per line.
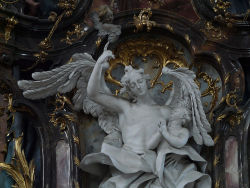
96,91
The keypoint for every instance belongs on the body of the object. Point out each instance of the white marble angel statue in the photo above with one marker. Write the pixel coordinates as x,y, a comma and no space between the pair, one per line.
146,144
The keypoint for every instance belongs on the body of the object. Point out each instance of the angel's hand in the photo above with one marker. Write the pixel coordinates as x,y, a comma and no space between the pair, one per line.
162,128
106,55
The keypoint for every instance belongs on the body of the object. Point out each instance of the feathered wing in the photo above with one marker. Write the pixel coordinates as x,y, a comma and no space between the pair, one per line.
186,94
64,79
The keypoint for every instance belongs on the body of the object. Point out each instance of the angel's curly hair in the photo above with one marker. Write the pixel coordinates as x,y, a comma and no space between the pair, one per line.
125,80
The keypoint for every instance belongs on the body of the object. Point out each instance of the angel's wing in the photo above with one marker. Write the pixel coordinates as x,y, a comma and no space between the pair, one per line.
65,78
186,95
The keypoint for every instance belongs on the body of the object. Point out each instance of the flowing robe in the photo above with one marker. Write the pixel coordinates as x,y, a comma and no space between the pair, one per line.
167,167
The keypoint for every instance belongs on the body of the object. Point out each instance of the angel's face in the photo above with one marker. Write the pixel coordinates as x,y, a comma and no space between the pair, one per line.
138,85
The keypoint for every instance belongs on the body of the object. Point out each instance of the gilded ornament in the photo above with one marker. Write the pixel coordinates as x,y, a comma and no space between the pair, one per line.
164,53
236,116
76,139
74,35
76,161
68,7
98,42
217,184
11,22
76,184
170,28
235,119
221,8
143,19
216,160
59,116
52,16
21,172
41,56
226,79
187,38
156,3
212,90
10,103
213,32
217,57
216,139
221,117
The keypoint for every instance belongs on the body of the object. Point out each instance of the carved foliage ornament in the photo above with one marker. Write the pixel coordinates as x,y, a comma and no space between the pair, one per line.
143,19
22,172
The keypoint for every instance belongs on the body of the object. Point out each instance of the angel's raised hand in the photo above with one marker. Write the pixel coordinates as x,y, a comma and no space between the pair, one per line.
106,55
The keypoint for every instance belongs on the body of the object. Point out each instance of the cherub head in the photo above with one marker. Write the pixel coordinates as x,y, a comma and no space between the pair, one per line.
180,116
134,82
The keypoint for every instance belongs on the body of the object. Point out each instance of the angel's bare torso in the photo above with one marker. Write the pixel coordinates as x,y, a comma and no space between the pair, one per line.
139,126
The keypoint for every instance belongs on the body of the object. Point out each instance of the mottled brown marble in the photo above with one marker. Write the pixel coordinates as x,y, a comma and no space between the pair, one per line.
3,128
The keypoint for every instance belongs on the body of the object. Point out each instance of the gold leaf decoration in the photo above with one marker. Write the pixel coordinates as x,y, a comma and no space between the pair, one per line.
170,28
217,184
187,38
74,35
226,79
216,139
143,19
163,51
21,172
76,161
76,184
59,116
11,22
216,160
76,139
221,117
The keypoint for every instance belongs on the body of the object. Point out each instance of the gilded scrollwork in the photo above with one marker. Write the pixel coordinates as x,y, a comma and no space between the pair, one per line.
74,35
212,89
76,184
143,19
234,115
217,183
164,52
170,28
60,116
214,32
22,172
68,7
76,139
11,22
76,161
216,160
